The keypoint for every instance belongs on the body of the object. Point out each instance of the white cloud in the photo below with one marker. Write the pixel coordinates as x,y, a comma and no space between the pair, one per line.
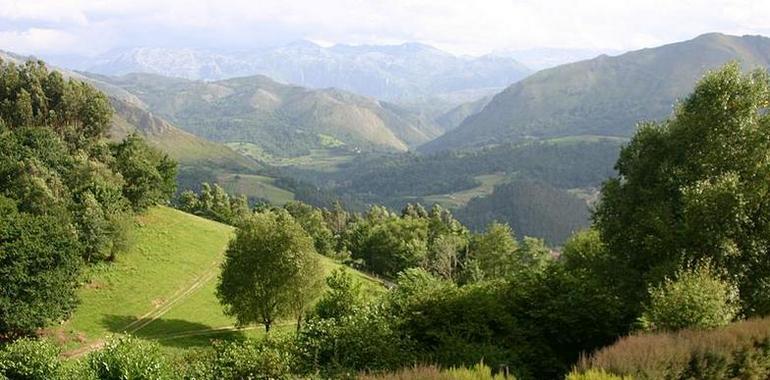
473,27
35,41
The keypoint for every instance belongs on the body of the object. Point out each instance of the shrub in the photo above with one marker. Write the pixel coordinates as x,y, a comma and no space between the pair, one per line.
740,350
342,298
477,372
695,299
251,359
130,358
365,340
30,359
595,374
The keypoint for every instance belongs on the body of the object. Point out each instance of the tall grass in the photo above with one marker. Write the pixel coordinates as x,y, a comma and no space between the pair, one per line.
477,372
731,349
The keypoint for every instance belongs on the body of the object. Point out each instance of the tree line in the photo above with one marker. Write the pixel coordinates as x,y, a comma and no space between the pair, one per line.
67,193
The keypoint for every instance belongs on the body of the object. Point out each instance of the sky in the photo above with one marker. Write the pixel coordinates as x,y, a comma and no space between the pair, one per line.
463,27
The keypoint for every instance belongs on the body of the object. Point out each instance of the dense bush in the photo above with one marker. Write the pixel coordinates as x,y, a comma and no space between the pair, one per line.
342,299
365,340
251,359
29,359
130,358
696,298
39,270
477,372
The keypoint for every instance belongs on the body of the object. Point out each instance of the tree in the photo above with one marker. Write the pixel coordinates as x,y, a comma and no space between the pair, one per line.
696,298
696,187
343,297
39,269
493,251
388,244
312,220
150,176
268,269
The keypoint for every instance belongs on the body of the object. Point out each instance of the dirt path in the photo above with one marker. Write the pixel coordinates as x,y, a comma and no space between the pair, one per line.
152,315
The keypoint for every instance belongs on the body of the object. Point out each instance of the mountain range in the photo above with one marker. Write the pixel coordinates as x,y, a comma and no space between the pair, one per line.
604,96
283,120
390,72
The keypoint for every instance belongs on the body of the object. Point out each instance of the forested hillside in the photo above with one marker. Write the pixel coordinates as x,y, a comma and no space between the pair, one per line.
562,168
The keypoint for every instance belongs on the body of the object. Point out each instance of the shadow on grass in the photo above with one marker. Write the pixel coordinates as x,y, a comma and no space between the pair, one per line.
168,332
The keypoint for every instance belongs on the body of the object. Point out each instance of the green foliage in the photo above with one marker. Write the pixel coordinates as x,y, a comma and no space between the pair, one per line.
365,340
130,358
249,359
31,96
312,221
149,174
388,244
696,298
30,359
69,191
694,188
39,269
594,374
214,203
270,270
530,208
493,252
477,372
343,297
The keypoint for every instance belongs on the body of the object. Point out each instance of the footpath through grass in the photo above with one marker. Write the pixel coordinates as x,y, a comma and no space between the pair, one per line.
163,289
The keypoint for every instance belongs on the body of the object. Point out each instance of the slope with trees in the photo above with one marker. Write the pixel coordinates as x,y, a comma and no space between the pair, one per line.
67,193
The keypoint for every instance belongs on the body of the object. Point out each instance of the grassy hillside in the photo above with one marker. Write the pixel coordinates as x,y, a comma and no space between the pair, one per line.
283,120
163,289
184,147
487,183
602,96
255,186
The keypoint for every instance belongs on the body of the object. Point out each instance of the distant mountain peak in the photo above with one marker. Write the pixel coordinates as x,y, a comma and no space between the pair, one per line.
392,72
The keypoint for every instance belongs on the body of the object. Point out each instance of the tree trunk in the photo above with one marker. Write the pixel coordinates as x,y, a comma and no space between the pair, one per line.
267,326
299,323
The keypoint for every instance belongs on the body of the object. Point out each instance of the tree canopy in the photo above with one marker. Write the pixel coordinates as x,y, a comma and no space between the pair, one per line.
697,187
270,271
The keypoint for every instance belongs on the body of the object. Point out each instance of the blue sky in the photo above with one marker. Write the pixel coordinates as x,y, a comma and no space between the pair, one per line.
81,27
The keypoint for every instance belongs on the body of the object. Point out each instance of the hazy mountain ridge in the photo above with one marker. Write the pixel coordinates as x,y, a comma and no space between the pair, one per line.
282,119
602,96
383,71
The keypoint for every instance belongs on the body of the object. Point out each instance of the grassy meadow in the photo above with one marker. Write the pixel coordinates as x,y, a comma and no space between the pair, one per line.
164,288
